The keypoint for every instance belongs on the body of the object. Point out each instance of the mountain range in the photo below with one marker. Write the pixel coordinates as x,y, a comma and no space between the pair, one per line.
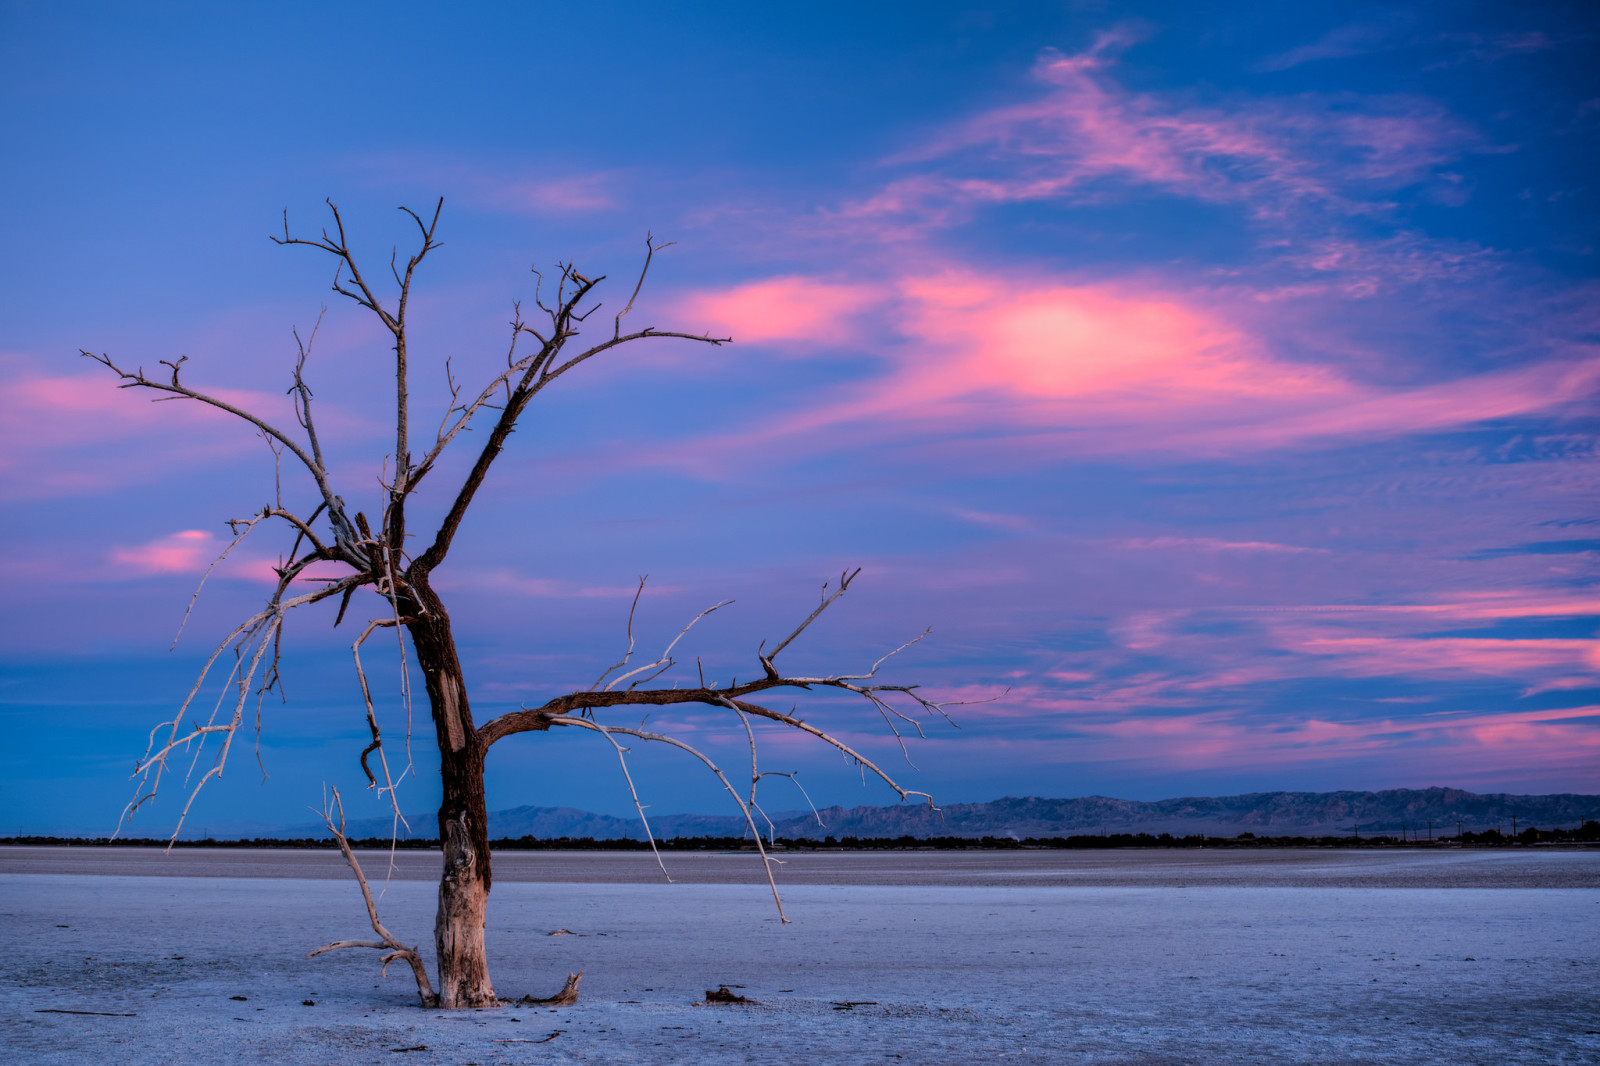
1261,813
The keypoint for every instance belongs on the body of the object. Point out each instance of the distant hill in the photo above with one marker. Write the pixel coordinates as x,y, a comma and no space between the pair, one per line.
1261,813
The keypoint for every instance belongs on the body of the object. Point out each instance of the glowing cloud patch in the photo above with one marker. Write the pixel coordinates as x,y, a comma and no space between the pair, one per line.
186,552
1064,342
792,309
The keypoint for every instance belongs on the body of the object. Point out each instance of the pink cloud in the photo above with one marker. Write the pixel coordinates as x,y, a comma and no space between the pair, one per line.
188,551
1459,743
1177,659
1059,342
796,310
192,551
1057,367
56,409
1126,367
1214,544
1040,344
1381,656
1378,412
1383,640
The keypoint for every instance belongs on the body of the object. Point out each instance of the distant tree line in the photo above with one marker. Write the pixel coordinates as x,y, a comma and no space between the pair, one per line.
1588,833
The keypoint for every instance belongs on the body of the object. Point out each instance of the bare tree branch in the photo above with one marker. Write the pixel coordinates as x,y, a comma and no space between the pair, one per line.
389,943
389,782
138,379
609,730
622,761
845,577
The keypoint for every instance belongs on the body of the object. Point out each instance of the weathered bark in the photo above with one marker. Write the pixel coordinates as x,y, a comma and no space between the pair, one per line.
463,821
458,929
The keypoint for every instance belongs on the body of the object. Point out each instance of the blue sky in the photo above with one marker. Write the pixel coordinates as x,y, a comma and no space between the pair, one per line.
1219,384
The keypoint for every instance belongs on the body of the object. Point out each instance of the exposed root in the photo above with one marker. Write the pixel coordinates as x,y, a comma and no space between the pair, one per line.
564,998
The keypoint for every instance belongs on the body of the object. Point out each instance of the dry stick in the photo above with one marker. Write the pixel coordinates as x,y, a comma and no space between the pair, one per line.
405,669
794,779
302,391
650,250
372,723
607,730
137,379
632,608
648,833
664,660
227,733
514,367
251,524
405,695
845,578
396,949
154,759
755,773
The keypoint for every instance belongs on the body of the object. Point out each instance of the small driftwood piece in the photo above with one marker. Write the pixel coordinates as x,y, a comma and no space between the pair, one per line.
526,1040
564,998
722,995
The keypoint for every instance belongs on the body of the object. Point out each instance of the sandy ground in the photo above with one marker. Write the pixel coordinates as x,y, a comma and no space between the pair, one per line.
1147,957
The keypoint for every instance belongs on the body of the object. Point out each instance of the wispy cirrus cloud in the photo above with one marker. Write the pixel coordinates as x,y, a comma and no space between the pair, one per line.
1463,745
510,186
1342,42
1084,136
1213,544
1175,658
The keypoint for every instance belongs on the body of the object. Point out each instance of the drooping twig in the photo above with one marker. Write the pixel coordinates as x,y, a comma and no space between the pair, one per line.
609,730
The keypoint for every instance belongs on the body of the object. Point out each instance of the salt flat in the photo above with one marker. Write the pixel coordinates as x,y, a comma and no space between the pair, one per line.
1110,957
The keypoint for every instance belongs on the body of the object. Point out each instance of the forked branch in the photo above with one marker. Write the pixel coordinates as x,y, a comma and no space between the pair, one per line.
389,942
577,710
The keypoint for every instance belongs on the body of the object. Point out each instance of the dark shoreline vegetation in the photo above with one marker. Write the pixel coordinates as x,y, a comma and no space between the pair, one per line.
1588,833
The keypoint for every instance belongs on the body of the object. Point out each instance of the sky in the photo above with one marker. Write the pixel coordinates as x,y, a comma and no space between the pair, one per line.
1218,382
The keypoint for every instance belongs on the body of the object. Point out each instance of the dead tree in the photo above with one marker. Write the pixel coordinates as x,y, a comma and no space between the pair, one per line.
371,555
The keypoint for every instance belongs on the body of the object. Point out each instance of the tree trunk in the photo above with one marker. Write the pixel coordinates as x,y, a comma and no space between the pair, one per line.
463,822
